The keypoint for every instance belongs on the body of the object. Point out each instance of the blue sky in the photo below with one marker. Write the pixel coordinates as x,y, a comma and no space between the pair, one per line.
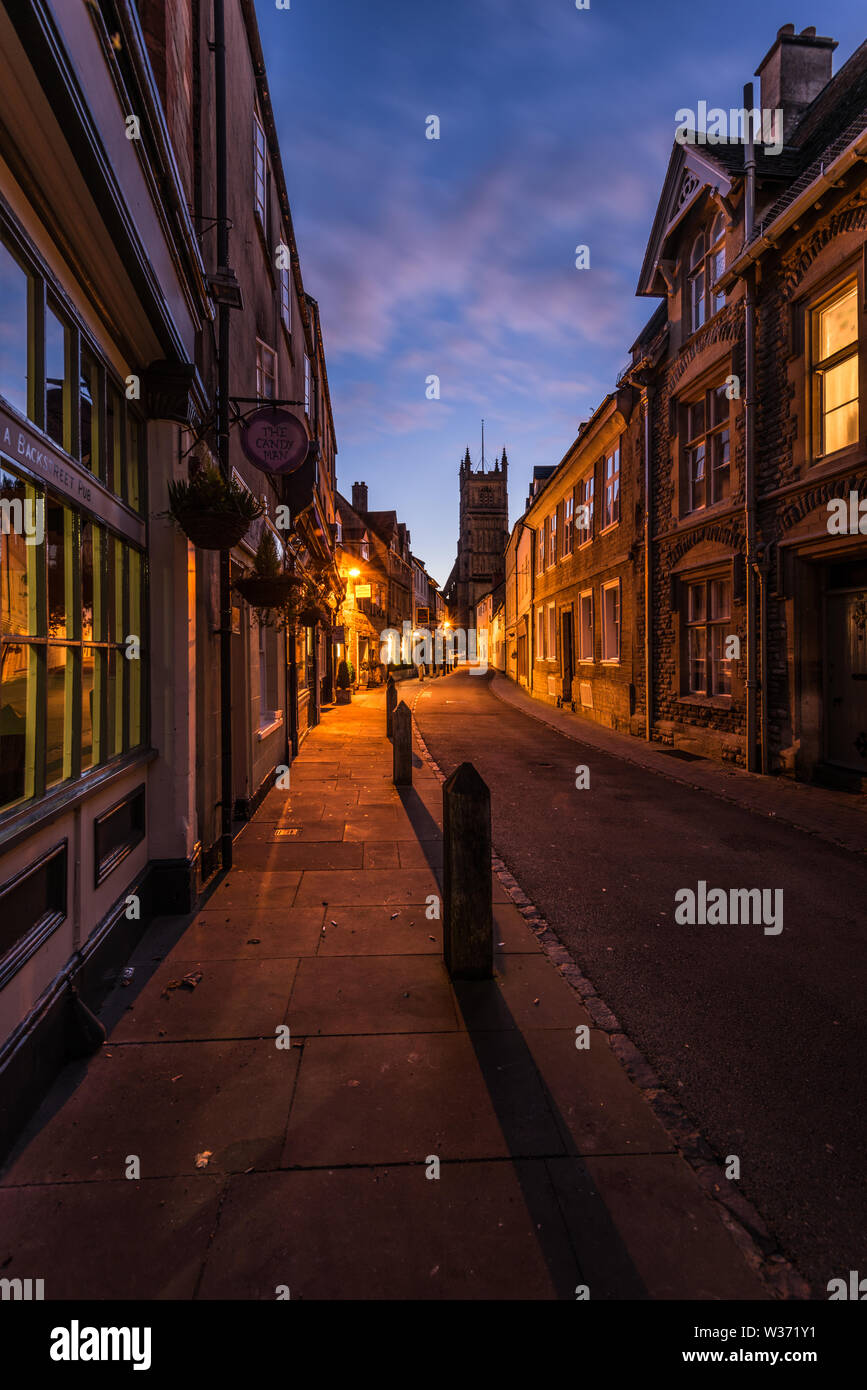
456,257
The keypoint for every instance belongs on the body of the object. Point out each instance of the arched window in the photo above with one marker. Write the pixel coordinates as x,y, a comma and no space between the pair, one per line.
707,261
716,261
697,284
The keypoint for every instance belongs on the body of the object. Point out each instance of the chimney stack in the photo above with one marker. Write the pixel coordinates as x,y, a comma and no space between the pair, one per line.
793,73
359,496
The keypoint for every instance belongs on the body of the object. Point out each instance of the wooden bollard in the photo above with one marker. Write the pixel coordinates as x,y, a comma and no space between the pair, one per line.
390,704
401,734
468,911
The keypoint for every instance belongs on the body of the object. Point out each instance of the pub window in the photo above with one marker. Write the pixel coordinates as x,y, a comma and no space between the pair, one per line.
69,391
88,411
708,450
835,371
14,316
585,626
70,697
307,385
58,406
708,619
611,498
611,621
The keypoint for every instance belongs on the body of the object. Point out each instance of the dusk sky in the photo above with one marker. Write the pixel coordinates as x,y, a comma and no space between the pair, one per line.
456,256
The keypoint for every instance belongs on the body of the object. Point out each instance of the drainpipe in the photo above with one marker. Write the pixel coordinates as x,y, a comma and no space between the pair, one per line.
749,446
648,598
223,436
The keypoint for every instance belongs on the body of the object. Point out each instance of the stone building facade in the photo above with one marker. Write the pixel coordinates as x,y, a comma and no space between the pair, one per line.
743,455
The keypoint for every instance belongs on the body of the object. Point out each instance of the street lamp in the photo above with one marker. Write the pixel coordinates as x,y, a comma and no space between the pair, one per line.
354,574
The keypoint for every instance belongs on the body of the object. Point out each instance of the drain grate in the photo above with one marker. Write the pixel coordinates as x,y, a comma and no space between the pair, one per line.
292,831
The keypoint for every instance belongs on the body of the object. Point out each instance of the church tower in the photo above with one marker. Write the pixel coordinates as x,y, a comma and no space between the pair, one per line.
484,532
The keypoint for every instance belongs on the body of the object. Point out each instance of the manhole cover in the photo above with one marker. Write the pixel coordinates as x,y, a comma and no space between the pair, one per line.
293,830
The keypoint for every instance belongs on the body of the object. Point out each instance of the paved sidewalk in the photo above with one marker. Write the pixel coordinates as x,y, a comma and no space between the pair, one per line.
838,817
553,1171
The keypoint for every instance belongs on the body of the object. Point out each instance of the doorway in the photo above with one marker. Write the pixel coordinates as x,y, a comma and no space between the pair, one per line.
846,678
566,648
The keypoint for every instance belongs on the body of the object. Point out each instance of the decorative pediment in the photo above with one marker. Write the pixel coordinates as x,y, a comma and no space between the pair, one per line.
692,174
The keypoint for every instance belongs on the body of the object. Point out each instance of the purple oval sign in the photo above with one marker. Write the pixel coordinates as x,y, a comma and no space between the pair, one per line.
274,440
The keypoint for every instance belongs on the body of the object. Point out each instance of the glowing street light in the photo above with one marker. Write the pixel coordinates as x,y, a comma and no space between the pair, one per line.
354,574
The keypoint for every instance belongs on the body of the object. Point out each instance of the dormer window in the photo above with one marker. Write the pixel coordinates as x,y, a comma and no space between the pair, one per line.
707,261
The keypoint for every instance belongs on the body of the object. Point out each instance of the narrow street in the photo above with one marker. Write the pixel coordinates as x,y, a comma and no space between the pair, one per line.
755,1034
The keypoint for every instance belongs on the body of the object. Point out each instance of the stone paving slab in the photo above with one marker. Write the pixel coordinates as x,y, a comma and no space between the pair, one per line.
123,1239
371,994
391,1233
243,888
399,1098
380,931
229,1098
262,933
287,854
596,1105
366,886
646,1219
526,992
235,999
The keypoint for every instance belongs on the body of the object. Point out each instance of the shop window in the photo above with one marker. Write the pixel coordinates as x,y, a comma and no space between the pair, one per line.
708,622
14,316
835,371
70,696
585,626
269,695
708,450
611,621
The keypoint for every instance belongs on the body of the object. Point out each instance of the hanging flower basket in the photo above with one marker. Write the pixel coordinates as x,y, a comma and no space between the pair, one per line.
269,591
215,514
311,615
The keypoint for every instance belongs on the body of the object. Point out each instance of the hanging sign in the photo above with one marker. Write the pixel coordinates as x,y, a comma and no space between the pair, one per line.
274,440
